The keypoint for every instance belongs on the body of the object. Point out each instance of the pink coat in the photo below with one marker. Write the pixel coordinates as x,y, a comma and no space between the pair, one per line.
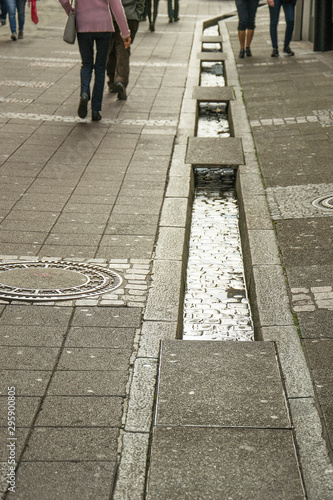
94,15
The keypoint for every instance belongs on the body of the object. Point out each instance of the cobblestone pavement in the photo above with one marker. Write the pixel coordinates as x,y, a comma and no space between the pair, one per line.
289,103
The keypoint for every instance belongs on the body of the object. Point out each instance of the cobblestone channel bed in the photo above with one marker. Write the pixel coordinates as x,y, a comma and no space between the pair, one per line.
216,306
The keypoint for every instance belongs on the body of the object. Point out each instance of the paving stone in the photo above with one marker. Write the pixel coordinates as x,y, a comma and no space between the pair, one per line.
212,56
79,481
28,358
104,316
211,39
94,359
72,445
306,240
100,337
88,411
34,315
20,335
89,383
163,299
214,151
25,410
21,434
220,384
316,324
213,94
220,463
26,382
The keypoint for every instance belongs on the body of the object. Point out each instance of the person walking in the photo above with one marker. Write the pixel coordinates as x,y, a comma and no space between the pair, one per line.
173,10
152,16
289,13
94,27
247,10
3,14
13,6
118,63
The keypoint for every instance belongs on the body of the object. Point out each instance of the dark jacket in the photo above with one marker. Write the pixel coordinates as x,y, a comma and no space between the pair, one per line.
133,8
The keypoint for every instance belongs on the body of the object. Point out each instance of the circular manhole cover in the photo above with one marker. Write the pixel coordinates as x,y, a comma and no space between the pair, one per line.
54,280
324,202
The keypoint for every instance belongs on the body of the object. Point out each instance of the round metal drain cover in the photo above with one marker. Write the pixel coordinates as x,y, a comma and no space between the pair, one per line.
324,202
54,280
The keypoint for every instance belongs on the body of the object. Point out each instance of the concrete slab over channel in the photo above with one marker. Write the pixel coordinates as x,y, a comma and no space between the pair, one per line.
219,463
213,94
214,151
212,56
220,384
211,39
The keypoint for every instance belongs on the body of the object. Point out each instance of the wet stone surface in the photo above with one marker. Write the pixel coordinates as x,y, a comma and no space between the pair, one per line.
216,305
212,74
213,120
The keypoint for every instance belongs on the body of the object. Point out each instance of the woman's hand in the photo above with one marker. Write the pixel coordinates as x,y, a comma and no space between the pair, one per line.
127,42
270,3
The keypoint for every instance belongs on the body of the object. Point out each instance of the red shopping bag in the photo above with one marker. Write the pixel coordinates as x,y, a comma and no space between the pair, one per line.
34,15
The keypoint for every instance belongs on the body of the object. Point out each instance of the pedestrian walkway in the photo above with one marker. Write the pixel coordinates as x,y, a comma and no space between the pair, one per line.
98,213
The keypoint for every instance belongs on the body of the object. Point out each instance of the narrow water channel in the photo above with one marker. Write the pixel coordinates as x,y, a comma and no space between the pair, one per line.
216,306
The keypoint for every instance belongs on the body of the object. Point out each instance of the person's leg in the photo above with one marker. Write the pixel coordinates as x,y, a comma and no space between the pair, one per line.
11,9
155,10
170,11
249,36
289,12
86,47
148,7
111,61
102,41
252,10
21,13
274,13
3,12
242,24
176,11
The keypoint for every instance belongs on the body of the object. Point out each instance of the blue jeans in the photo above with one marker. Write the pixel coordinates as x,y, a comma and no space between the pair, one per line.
86,43
247,10
289,14
3,10
173,13
12,6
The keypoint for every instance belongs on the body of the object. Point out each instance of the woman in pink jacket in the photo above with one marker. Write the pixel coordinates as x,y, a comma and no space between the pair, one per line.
94,26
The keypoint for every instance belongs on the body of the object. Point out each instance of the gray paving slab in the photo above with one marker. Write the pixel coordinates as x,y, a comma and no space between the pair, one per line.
214,151
26,382
319,354
220,384
28,358
26,409
306,240
18,335
100,337
105,316
94,359
79,481
72,445
223,463
21,433
213,94
212,56
33,315
88,383
211,39
80,411
316,324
